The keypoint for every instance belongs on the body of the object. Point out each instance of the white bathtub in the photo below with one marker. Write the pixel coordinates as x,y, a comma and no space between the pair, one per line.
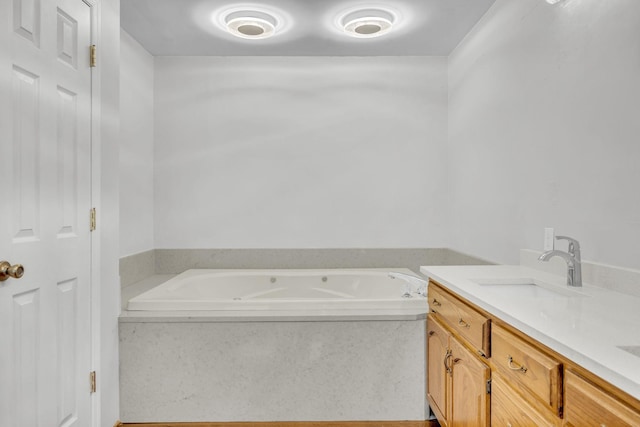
233,290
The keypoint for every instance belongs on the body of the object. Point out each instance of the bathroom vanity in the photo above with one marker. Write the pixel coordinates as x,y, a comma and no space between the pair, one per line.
512,346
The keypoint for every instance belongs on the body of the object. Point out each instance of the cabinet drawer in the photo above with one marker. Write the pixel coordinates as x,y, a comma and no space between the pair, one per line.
469,323
527,368
587,405
509,409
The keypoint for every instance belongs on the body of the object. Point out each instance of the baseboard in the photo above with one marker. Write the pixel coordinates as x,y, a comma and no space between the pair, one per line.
292,424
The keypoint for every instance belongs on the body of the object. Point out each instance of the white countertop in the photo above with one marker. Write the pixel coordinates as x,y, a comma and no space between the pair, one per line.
585,324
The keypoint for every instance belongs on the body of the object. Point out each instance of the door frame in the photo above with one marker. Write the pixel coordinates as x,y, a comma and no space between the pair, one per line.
95,268
105,280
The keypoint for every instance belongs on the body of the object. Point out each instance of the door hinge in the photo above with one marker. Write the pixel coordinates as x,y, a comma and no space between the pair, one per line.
92,219
92,55
488,386
92,381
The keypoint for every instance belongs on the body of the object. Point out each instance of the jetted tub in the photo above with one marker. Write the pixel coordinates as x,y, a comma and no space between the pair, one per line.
274,345
205,289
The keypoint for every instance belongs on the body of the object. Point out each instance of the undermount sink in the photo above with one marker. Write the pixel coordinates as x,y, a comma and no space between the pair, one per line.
633,349
528,288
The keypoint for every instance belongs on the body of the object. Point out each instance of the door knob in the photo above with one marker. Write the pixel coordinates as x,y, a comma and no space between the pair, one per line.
7,270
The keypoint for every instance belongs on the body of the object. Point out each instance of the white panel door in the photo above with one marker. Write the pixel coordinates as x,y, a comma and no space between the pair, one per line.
45,183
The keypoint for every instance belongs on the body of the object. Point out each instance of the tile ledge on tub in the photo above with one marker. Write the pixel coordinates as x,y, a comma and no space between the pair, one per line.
135,289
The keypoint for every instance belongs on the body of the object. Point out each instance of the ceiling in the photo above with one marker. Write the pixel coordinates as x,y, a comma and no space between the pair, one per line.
190,27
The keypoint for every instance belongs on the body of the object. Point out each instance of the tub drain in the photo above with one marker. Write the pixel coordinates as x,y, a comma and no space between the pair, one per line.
237,299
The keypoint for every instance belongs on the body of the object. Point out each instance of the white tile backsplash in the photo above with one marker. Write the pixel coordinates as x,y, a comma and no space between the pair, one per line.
620,279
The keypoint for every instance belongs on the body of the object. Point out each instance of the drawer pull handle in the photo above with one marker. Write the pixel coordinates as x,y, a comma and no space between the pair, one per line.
515,367
463,323
446,365
436,303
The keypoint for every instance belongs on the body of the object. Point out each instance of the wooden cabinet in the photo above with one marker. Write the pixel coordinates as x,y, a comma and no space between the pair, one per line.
588,405
531,385
457,340
457,380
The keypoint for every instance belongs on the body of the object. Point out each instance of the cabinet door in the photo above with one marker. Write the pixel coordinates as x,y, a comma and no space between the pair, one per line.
469,397
437,347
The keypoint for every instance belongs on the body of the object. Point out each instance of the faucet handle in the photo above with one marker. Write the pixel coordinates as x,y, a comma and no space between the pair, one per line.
574,245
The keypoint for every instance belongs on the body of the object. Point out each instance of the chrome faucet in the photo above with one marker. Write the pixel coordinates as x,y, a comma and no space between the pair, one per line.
572,257
420,284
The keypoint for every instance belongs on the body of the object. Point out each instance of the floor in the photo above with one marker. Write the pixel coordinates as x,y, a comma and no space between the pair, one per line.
296,424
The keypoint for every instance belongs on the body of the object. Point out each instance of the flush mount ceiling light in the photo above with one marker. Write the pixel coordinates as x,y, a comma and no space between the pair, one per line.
250,24
367,23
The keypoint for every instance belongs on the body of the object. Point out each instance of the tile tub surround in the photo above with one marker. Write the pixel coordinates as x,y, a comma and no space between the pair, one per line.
200,370
134,268
174,261
227,366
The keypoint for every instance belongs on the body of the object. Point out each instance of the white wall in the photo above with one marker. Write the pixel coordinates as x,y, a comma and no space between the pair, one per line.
276,152
543,129
136,147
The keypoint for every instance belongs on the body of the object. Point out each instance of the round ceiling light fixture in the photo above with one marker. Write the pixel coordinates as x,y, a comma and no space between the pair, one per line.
251,24
367,23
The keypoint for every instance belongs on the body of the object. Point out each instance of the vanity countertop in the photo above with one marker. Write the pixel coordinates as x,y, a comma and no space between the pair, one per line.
588,325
